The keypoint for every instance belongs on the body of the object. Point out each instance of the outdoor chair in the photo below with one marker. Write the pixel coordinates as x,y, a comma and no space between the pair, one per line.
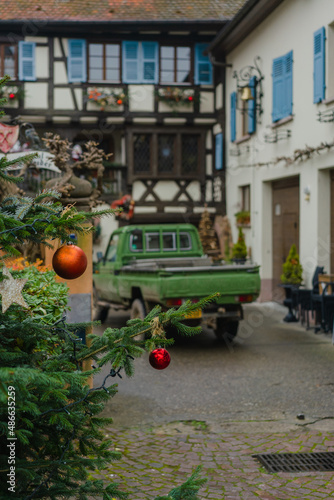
308,300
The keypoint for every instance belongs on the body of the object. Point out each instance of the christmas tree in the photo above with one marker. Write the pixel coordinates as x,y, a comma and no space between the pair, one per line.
51,437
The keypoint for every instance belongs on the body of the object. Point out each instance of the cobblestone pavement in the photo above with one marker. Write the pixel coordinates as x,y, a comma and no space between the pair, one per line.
160,458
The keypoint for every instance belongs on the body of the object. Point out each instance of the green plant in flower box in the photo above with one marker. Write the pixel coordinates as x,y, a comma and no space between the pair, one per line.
243,217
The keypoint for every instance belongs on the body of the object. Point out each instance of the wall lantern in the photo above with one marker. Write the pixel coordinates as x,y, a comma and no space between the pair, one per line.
249,88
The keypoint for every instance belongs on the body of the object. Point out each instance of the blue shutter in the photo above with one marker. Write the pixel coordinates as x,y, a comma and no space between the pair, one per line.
203,66
149,62
278,88
76,61
233,115
219,152
27,70
131,62
252,107
288,66
319,84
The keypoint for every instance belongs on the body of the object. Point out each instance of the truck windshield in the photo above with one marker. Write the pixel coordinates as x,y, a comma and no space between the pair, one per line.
112,248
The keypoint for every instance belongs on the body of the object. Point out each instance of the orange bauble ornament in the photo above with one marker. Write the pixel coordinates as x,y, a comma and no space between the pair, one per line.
69,262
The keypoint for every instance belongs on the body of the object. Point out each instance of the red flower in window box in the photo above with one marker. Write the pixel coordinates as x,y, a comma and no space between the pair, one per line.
12,96
190,98
119,102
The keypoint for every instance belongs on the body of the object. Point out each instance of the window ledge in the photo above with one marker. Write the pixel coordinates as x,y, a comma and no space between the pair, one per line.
330,100
242,139
285,120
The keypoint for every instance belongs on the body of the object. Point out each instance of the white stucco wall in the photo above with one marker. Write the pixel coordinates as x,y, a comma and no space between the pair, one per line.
289,27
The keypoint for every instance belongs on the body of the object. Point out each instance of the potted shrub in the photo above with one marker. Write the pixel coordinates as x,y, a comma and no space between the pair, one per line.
291,279
239,250
292,269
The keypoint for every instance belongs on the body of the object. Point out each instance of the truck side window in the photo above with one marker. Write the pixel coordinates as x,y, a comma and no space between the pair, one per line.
185,241
112,248
152,242
168,241
136,241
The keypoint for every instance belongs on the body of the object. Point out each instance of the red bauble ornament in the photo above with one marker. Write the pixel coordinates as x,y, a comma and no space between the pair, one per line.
159,358
69,262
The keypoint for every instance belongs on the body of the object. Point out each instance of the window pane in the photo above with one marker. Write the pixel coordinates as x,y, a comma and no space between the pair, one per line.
136,241
167,62
165,153
142,153
112,50
183,76
96,49
167,77
185,241
112,62
168,241
183,53
113,75
96,62
189,154
167,52
9,63
152,242
95,74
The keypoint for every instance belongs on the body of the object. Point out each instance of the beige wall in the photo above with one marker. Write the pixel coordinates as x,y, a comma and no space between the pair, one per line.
289,27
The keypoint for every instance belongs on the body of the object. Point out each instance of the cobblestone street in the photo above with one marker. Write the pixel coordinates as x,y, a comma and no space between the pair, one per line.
157,459
164,432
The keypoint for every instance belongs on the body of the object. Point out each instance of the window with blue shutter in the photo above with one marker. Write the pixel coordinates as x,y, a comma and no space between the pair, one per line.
140,62
287,108
76,62
203,66
219,151
282,86
27,69
131,62
149,62
233,116
319,84
252,107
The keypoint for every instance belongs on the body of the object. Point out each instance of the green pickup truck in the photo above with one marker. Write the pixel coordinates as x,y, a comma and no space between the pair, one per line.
151,264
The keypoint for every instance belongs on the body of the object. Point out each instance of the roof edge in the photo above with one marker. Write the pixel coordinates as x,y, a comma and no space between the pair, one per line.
243,23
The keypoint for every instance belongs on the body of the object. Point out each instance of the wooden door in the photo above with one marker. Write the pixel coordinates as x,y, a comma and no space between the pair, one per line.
285,226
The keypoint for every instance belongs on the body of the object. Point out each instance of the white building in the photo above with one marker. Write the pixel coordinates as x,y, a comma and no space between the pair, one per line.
279,146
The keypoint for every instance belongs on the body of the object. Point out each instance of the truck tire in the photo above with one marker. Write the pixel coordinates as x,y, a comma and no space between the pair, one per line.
138,310
99,313
226,330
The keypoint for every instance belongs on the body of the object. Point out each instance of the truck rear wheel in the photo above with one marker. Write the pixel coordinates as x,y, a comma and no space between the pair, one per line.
138,310
99,313
226,330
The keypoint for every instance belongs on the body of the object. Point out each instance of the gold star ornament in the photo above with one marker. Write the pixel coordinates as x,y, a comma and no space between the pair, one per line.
11,291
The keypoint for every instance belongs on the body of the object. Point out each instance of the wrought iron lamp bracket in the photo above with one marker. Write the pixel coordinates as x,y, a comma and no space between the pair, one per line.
242,80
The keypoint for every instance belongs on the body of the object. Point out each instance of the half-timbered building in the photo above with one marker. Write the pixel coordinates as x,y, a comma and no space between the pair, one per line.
134,76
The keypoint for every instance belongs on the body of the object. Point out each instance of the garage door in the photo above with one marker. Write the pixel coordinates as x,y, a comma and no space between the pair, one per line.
285,226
